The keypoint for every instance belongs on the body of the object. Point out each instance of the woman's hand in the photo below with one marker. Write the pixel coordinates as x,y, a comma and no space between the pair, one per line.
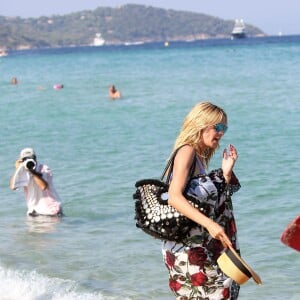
229,159
217,232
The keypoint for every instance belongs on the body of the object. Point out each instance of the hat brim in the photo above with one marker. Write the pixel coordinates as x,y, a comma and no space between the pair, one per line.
236,268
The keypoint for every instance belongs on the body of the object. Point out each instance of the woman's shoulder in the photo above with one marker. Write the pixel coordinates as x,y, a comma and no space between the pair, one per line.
186,149
185,153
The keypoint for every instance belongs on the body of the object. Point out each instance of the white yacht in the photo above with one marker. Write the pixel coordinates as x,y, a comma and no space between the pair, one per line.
239,29
98,40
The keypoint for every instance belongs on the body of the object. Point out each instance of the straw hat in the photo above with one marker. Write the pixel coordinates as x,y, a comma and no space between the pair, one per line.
236,268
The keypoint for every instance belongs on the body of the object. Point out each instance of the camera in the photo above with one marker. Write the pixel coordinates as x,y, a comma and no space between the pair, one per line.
29,163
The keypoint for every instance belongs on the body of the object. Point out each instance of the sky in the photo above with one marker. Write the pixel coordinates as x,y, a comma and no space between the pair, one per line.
271,16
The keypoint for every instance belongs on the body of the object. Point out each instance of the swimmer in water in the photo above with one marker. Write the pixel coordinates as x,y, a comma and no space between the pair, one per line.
114,93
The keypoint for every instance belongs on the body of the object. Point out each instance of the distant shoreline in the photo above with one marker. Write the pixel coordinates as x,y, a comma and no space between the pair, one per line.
136,43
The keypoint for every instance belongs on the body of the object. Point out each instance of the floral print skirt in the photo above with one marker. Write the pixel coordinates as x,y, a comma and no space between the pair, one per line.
193,270
193,276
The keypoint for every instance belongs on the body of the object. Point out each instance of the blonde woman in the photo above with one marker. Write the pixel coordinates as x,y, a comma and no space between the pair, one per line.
192,266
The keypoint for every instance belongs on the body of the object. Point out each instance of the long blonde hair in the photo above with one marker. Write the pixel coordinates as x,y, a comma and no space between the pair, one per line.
201,116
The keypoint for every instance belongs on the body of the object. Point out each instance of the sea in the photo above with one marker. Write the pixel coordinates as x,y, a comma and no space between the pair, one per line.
98,148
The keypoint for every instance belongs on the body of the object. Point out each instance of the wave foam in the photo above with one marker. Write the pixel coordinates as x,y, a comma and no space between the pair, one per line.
17,285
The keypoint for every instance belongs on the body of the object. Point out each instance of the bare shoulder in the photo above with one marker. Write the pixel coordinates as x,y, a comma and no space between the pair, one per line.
185,155
186,150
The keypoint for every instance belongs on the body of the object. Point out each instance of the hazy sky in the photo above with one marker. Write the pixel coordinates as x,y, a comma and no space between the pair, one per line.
272,16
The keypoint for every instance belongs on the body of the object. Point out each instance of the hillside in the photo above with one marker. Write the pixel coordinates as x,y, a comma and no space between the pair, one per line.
125,24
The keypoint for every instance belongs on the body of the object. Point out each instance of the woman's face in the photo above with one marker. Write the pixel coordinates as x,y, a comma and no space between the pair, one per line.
212,134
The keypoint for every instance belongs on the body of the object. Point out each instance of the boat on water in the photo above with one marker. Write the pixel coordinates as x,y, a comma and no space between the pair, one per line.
98,40
3,53
239,29
133,43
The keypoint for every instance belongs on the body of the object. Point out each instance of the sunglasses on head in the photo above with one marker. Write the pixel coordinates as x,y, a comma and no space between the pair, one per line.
220,127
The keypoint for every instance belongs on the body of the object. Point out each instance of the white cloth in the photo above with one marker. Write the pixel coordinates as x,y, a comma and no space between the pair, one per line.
21,177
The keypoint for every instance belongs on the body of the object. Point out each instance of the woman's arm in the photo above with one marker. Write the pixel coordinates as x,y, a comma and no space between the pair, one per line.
182,164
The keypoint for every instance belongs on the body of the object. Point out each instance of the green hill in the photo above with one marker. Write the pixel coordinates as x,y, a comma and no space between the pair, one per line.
125,24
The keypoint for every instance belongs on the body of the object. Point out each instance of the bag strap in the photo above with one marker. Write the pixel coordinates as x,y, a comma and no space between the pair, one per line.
170,165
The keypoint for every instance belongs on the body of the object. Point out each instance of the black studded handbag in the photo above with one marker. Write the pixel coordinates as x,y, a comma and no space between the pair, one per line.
154,215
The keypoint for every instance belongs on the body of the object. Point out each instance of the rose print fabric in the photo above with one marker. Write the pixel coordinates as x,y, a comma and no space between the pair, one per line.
192,264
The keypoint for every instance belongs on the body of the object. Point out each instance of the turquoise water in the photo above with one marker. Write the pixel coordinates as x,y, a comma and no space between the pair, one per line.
98,148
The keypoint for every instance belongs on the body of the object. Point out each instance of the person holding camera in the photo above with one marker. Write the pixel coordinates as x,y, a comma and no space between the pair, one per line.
40,194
